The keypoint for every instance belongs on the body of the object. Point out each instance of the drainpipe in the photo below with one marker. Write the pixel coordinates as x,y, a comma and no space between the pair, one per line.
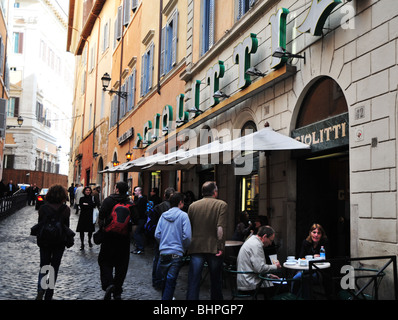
160,43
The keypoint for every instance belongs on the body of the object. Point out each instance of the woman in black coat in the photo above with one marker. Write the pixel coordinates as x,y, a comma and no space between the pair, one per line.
85,223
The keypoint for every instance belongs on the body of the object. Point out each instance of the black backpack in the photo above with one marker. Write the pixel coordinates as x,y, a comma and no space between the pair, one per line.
51,231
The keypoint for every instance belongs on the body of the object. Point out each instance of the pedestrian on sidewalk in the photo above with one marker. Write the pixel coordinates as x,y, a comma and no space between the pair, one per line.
85,224
173,233
114,254
208,218
51,253
78,195
140,202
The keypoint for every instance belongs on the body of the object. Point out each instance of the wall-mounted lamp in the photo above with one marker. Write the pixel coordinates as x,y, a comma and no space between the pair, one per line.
129,156
19,121
115,163
253,71
194,110
282,53
219,94
106,80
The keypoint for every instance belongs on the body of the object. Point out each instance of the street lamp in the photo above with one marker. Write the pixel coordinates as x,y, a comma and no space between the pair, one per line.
106,80
115,163
19,121
129,156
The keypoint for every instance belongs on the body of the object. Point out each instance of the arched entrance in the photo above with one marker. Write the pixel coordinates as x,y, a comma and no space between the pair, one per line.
323,172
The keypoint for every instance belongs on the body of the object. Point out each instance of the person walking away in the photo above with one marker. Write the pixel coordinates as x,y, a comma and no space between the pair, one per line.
140,206
85,224
251,257
159,209
208,218
51,253
71,191
78,195
173,233
114,253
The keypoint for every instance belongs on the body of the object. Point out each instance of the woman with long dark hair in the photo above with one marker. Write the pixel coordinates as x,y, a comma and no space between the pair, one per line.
85,224
51,252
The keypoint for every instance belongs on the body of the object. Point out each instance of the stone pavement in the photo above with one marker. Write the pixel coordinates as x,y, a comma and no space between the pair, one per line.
78,277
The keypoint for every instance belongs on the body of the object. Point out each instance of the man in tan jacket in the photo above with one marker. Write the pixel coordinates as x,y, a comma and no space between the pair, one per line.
208,218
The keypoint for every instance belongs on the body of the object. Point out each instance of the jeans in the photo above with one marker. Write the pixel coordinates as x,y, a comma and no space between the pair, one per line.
156,276
169,266
196,264
49,256
139,236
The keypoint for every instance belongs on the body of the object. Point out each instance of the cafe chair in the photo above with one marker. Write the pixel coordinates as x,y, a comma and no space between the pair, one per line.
231,276
364,278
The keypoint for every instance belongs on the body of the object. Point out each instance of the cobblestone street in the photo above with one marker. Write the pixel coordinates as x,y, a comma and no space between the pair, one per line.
78,277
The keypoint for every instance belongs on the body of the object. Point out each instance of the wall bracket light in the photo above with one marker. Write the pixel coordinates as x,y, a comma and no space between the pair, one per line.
106,80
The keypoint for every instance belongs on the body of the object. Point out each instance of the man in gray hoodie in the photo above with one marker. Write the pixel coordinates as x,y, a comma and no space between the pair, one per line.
173,233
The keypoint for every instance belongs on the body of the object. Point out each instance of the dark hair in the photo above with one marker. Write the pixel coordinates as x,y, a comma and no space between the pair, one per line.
123,187
208,188
84,190
168,193
265,230
56,194
176,198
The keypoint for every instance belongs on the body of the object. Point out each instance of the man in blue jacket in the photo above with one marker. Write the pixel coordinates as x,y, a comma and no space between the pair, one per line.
173,233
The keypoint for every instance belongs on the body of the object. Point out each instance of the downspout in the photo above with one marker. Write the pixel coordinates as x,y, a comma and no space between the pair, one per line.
120,85
96,80
160,43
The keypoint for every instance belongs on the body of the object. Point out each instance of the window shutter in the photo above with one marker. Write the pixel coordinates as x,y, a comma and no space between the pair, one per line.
126,12
119,23
134,5
150,69
211,22
251,3
3,117
133,82
175,39
143,67
163,53
16,106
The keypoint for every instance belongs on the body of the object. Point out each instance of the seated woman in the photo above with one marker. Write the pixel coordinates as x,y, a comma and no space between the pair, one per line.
311,246
243,228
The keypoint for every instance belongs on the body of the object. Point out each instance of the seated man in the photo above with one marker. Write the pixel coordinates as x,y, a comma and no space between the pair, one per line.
251,258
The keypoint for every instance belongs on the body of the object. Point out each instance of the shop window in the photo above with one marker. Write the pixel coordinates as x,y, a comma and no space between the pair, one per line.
155,179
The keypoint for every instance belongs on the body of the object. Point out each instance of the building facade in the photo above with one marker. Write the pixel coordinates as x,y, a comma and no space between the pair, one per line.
336,93
5,76
41,82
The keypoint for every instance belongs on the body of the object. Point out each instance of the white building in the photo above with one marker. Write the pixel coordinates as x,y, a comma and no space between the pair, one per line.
41,82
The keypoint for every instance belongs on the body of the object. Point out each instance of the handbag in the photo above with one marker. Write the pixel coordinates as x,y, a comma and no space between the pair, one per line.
95,215
98,236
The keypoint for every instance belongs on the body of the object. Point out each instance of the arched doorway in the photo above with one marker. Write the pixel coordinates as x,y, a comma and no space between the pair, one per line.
323,172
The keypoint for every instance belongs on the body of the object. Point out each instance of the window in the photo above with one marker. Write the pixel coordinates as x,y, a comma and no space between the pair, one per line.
207,25
13,107
105,41
3,117
244,6
118,26
126,12
8,161
147,70
169,45
18,42
131,91
92,57
134,5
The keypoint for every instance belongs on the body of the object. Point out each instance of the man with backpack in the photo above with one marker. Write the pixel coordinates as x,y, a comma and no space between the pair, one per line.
116,216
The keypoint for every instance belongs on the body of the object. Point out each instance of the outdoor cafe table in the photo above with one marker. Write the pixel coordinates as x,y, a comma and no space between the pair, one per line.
297,266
